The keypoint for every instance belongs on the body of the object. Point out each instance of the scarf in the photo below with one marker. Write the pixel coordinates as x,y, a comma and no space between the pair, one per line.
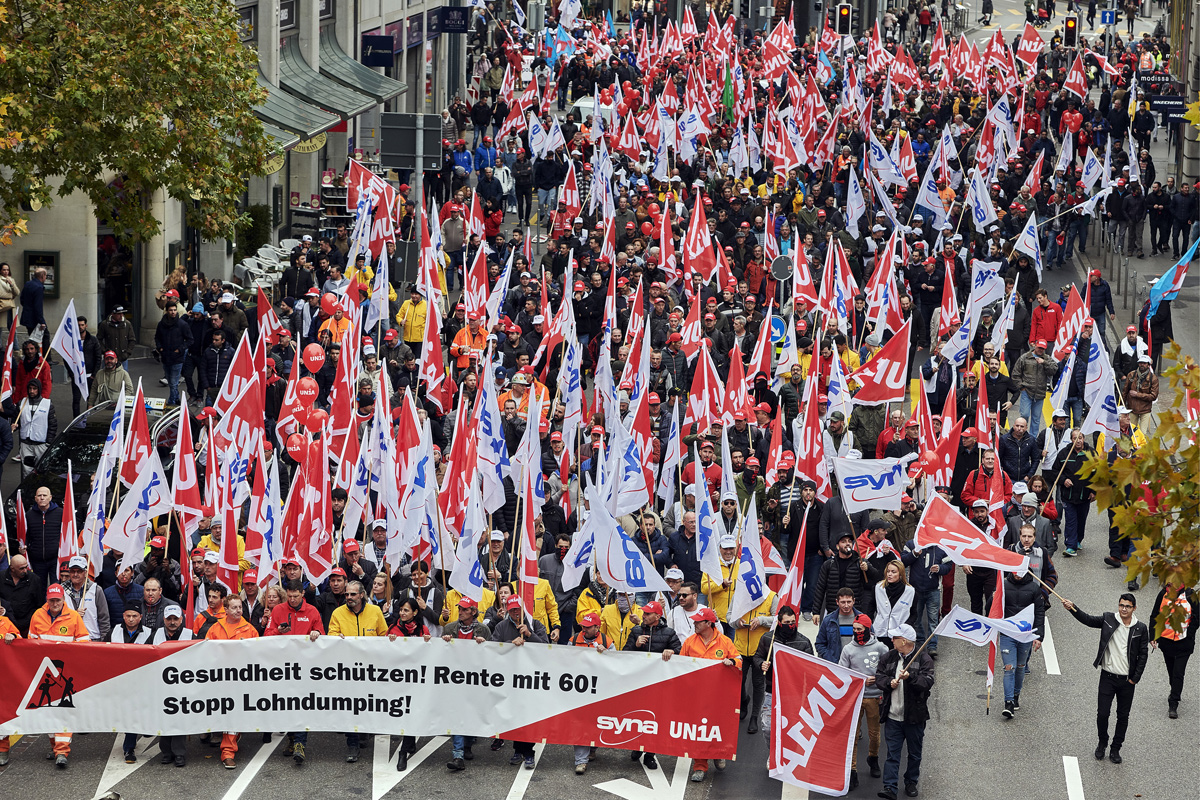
410,628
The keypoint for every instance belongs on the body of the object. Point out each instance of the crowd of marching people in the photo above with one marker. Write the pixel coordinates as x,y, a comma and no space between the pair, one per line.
618,280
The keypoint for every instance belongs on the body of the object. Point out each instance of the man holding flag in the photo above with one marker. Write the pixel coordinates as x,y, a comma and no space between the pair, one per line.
904,680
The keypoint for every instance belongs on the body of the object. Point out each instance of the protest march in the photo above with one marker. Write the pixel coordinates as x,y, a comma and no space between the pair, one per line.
717,409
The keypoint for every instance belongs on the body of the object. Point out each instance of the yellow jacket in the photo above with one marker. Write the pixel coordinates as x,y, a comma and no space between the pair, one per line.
411,318
718,596
545,607
587,603
746,640
1136,437
489,599
368,622
614,627
207,543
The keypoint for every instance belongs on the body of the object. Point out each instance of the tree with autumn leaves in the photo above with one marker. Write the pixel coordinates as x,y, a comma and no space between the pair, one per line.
119,99
1154,492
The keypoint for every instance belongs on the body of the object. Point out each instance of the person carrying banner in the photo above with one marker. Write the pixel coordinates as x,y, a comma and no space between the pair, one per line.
294,617
1020,592
863,654
231,627
905,683
591,636
709,642
55,622
131,631
466,627
762,664
514,628
1121,656
8,633
172,748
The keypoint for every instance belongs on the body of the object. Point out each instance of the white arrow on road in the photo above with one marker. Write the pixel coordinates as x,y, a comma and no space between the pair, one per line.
115,769
659,789
384,776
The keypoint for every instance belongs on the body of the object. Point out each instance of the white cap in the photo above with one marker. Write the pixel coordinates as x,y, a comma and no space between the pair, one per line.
1145,359
674,574
1058,412
538,319
368,349
172,611
211,557
379,523
729,496
77,562
1123,410
878,229
306,238
1020,488
728,540
227,297
497,536
690,489
903,630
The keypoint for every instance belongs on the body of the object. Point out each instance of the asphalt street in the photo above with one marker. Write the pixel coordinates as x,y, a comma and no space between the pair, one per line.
1043,754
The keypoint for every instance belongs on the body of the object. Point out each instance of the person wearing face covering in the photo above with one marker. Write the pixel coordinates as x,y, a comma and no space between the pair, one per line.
863,655
1020,592
784,635
550,569
619,618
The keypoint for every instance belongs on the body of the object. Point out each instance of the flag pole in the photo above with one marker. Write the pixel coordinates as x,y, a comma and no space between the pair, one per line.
1047,587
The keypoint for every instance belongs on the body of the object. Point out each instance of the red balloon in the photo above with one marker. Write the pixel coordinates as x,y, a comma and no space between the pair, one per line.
297,446
314,357
307,389
316,421
329,303
930,461
626,85
647,228
654,209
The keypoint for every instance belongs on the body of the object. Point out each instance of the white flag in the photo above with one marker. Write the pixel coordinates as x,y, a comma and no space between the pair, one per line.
750,586
980,630
871,484
69,344
1028,244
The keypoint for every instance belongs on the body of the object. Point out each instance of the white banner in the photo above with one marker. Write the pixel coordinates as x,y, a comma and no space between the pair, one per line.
534,692
878,483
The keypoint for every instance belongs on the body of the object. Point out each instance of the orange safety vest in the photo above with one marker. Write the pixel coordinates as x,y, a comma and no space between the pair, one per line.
68,627
719,648
6,627
578,641
220,630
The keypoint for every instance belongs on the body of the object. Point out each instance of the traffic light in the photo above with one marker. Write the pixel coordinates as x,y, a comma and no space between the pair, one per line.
1071,31
843,19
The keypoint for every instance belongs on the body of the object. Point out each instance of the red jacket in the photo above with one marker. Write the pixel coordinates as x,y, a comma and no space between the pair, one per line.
1044,324
303,620
978,483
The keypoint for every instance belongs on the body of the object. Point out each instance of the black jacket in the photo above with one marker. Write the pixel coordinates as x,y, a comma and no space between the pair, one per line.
214,365
42,532
173,338
916,688
662,637
1139,640
1170,647
764,655
22,598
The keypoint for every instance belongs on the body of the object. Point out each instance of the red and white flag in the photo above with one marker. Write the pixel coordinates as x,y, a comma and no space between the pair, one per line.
1071,325
707,393
942,525
697,244
269,325
185,493
6,381
1076,81
1030,46
884,378
809,444
814,720
137,441
68,537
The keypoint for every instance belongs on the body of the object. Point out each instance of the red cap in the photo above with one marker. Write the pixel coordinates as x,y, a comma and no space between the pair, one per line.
973,432
674,337
752,461
786,461
765,408
390,335
653,607
337,571
513,602
739,414
172,293
653,399
906,498
556,436
466,602
590,620
1131,329
912,423
111,354
1041,343
1089,321
158,541
251,576
55,591
579,286
1094,273
544,425
597,429
351,546
704,615
707,317
822,398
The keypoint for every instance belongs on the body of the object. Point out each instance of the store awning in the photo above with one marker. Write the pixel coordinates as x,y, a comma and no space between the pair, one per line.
282,139
285,112
340,67
301,80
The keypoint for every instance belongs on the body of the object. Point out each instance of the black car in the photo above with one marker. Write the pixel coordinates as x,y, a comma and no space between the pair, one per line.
82,441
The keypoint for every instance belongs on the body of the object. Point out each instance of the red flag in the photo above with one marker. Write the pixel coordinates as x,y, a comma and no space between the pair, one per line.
802,282
948,314
475,286
942,525
269,326
292,410
68,538
1076,81
707,393
258,496
737,398
981,417
21,526
228,571
630,143
570,193
314,535
6,382
1030,46
692,332
760,359
1071,325
813,721
137,441
697,245
810,449
937,52
775,453
460,468
185,494
792,592
884,378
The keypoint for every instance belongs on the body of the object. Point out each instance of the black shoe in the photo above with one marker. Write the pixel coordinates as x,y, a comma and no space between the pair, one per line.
1007,713
1133,585
1016,702
1112,562
467,754
287,751
180,761
873,764
650,761
456,764
634,755
1100,748
853,779
887,793
166,758
1173,712
266,738
497,744
352,755
933,654
910,789
753,726
402,762
1114,755
130,757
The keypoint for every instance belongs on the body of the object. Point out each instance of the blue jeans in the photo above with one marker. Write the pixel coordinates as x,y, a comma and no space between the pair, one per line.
1074,409
173,372
897,734
459,744
1074,522
1031,410
812,571
1015,656
1076,231
1054,253
546,201
926,612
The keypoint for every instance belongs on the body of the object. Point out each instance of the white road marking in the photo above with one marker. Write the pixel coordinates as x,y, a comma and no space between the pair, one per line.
1074,781
791,792
1048,651
247,774
659,789
384,776
521,782
115,769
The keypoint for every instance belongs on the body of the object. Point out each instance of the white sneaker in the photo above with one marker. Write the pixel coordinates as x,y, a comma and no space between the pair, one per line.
162,381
